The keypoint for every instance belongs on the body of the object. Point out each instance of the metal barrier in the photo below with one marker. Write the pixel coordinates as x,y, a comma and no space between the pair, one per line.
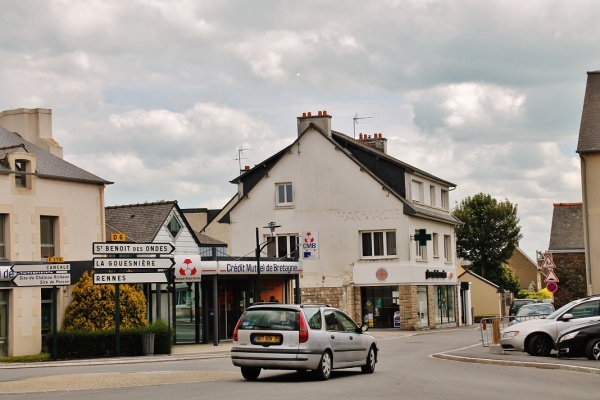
491,327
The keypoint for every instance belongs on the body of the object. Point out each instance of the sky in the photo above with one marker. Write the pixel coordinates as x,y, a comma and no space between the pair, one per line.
160,96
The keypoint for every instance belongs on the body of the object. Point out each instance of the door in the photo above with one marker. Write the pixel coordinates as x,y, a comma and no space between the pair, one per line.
356,341
337,337
582,313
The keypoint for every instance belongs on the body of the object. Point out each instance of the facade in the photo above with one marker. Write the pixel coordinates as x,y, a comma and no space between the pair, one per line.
48,208
351,213
526,270
588,148
485,299
567,250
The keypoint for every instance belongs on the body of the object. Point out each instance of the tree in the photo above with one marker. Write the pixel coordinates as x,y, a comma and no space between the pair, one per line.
93,306
488,236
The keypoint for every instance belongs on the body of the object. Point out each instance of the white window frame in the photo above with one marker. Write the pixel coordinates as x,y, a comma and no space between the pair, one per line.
448,248
432,195
417,191
284,194
420,251
21,169
284,246
49,244
3,224
387,240
168,226
435,244
445,198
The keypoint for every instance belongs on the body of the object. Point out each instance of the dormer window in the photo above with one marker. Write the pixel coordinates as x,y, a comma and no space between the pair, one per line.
21,167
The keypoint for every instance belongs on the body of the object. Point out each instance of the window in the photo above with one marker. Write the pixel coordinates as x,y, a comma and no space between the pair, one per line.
435,244
284,246
421,251
3,322
585,310
47,236
444,306
20,173
174,226
445,200
432,195
2,236
284,194
417,191
448,248
378,243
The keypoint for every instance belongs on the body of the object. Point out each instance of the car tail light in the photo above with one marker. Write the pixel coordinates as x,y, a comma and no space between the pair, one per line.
303,329
235,330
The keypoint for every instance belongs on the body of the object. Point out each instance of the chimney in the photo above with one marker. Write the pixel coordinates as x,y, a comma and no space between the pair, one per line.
322,121
377,142
33,125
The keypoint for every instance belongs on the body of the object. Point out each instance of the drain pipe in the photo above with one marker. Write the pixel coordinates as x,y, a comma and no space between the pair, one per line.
586,232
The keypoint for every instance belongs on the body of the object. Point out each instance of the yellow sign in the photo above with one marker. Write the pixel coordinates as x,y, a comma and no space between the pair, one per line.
118,237
56,259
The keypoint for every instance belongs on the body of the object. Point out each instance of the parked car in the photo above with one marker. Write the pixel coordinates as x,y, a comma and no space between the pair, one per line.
518,303
579,341
532,311
306,337
537,337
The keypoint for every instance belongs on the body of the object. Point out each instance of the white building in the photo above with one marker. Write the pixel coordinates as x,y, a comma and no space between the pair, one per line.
48,208
362,208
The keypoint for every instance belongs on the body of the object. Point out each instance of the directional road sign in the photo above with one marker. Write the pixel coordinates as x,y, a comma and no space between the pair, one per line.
42,279
41,267
133,263
130,277
132,248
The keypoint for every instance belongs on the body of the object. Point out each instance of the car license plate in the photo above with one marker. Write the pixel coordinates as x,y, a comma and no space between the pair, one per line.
267,339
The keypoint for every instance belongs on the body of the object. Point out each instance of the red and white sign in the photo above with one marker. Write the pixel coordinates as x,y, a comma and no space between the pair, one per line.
551,277
548,263
187,268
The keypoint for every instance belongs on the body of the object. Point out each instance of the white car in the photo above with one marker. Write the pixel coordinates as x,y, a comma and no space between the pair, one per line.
300,337
537,336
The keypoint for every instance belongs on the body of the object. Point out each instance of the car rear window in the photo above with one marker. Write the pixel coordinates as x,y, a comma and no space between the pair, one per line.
270,319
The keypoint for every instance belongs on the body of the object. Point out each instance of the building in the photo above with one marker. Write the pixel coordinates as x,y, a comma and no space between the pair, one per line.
486,301
374,235
526,270
588,148
48,208
567,251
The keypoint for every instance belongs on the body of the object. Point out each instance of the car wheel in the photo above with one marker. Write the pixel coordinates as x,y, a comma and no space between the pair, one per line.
369,367
592,349
323,371
250,373
540,345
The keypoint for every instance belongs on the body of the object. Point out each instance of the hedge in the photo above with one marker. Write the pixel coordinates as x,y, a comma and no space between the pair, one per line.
72,344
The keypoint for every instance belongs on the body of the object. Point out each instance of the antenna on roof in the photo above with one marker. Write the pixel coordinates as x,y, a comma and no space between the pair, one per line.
240,158
355,119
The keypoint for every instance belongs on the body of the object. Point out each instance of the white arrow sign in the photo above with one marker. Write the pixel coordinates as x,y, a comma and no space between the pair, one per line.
148,277
132,248
42,279
41,268
133,263
551,277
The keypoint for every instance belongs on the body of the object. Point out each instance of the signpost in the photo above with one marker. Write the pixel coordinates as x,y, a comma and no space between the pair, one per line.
42,279
130,278
133,263
132,248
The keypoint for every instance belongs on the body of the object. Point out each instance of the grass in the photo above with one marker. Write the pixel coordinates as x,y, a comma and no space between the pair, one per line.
26,359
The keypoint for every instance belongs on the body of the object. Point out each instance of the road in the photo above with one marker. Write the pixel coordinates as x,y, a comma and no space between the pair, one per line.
406,370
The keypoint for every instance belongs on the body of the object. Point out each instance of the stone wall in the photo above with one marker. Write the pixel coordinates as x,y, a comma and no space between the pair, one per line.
409,311
346,298
570,270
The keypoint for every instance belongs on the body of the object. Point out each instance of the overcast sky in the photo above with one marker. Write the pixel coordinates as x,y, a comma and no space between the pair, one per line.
159,96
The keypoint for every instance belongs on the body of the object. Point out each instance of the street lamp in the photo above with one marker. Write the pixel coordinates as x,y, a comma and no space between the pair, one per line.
259,247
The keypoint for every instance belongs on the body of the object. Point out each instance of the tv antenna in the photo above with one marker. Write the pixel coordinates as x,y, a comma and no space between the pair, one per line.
355,119
240,158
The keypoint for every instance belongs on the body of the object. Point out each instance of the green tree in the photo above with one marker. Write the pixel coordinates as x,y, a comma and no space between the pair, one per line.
488,237
93,306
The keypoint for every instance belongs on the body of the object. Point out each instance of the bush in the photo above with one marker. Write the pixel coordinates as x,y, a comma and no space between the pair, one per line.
543,294
102,343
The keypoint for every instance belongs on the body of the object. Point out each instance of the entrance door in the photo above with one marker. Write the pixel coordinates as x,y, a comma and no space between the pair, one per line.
232,300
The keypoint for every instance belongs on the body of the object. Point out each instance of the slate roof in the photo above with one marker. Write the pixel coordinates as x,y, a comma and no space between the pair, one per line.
140,222
589,130
47,165
566,232
387,170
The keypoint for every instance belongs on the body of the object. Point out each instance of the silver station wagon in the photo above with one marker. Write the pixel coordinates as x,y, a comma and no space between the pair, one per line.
305,337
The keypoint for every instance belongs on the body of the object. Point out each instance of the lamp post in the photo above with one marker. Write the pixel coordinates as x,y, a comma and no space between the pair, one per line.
259,247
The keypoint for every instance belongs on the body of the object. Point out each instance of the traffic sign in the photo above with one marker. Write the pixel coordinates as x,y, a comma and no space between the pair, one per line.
40,267
133,263
548,263
552,287
132,248
551,277
42,279
130,277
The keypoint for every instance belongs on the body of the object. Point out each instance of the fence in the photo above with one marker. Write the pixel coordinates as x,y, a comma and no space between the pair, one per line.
491,327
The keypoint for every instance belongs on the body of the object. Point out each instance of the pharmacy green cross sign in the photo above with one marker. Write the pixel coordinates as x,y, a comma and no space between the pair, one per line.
422,237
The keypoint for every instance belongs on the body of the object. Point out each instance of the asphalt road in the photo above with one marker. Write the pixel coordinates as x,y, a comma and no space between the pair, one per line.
449,364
